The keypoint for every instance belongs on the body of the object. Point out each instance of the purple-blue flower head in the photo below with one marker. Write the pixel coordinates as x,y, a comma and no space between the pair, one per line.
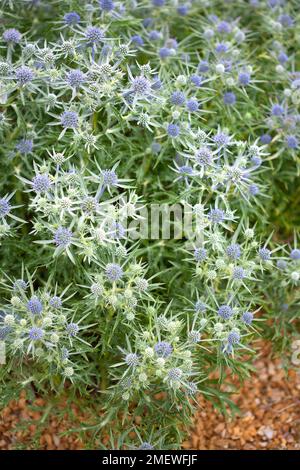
35,306
113,272
295,254
247,318
36,333
145,446
63,237
75,78
106,5
224,27
137,40
132,360
244,78
285,20
196,80
173,130
94,35
192,105
4,207
71,18
69,119
281,264
221,48
55,302
216,215
72,329
20,284
203,156
182,10
229,98
277,110
282,57
256,160
154,35
265,139
12,36
233,251
264,254
225,312
200,254
41,183
203,66
24,146
292,142
221,139
164,52
163,349
233,337
253,189
177,98
141,85
110,177
238,273
24,75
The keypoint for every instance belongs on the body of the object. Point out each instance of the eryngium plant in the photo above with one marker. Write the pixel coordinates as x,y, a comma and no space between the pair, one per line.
107,107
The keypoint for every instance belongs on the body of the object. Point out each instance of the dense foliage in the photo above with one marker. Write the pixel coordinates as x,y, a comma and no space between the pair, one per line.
109,108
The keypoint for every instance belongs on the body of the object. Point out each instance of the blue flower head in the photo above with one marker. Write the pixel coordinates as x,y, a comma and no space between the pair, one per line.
71,18
225,312
192,105
163,349
12,36
177,98
24,146
55,302
4,207
295,254
63,237
233,337
94,35
41,183
244,78
216,215
24,75
137,40
277,110
72,329
113,272
164,52
106,5
69,119
264,254
200,254
36,334
247,317
173,130
35,306
132,359
229,98
292,142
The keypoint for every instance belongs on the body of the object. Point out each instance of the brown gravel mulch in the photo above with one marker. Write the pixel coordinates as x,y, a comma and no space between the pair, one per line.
269,418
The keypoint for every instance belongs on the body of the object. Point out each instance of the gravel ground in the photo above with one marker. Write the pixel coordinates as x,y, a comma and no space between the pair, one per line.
269,419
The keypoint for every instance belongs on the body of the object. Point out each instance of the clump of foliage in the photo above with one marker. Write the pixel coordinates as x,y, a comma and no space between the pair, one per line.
106,108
